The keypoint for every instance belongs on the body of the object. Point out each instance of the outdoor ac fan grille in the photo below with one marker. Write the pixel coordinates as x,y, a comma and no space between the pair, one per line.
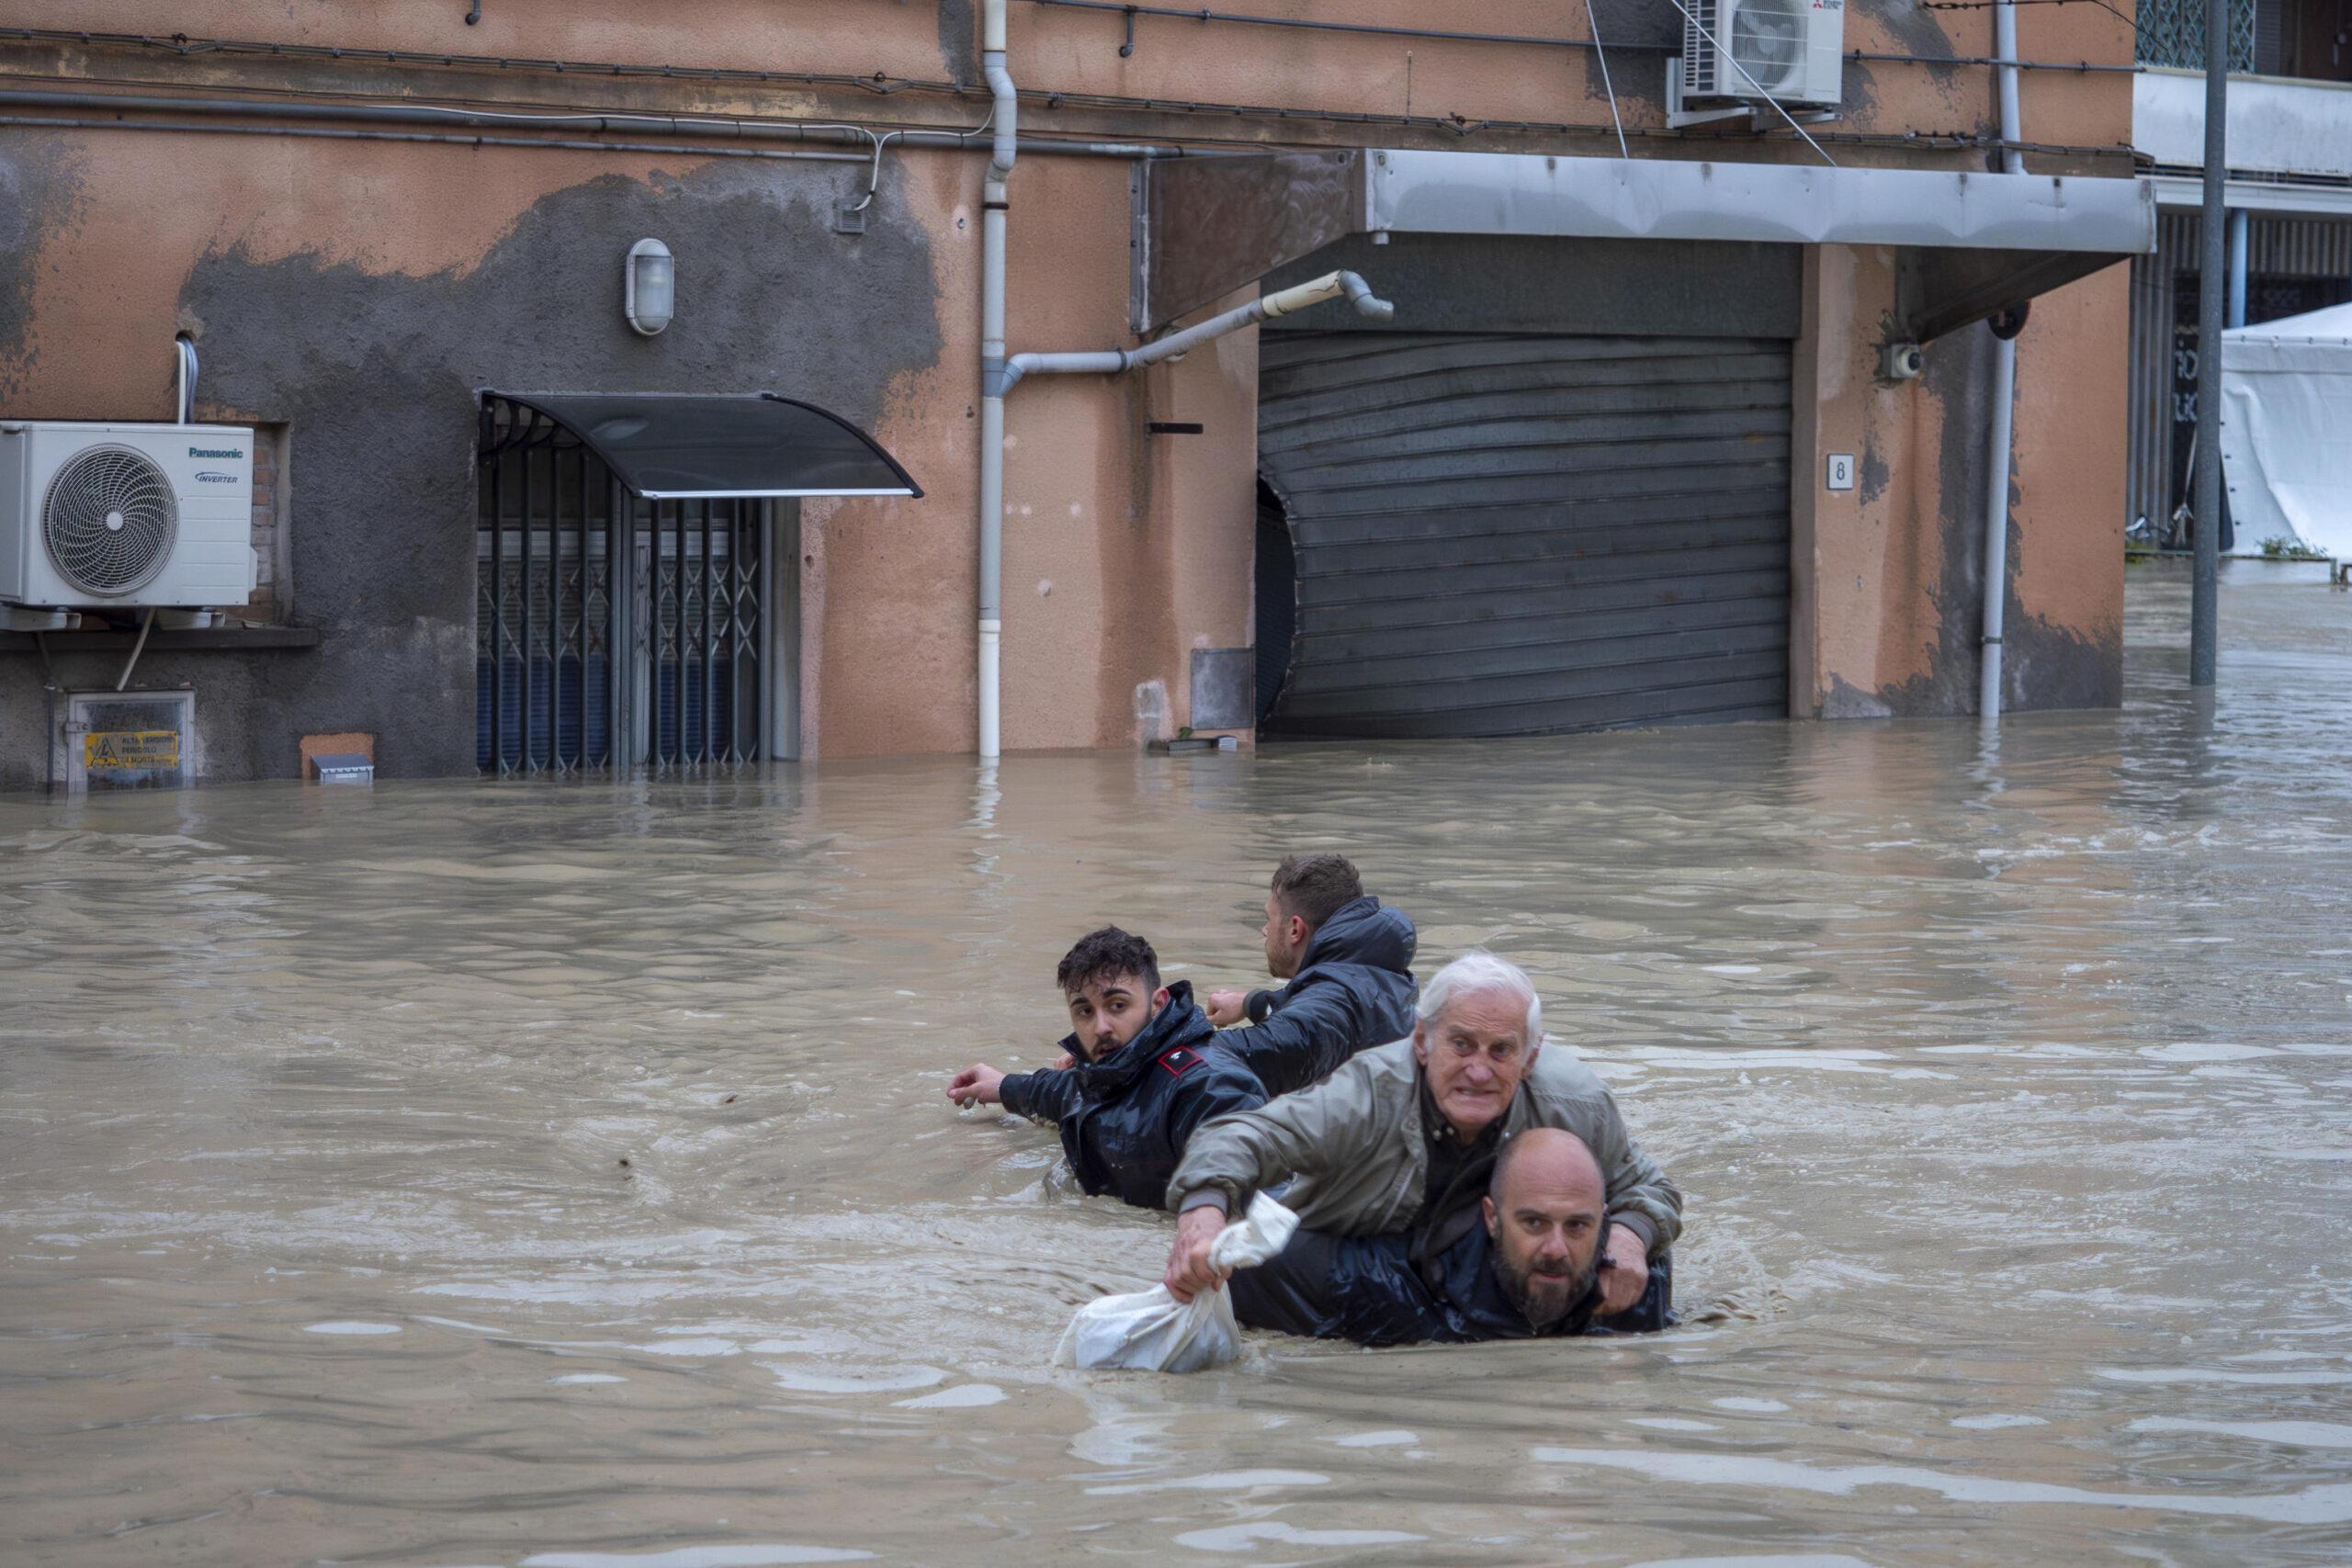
1767,40
110,519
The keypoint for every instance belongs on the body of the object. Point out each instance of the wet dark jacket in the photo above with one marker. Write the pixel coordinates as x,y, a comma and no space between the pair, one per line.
1353,990
1124,1120
1366,1288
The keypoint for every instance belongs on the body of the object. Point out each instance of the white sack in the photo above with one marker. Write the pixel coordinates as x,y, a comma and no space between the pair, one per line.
1151,1331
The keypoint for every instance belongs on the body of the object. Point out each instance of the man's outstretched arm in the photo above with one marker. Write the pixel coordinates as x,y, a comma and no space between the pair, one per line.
1043,1096
1300,1044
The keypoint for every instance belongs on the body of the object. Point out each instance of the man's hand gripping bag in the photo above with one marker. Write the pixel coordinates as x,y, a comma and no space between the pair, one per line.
1152,1331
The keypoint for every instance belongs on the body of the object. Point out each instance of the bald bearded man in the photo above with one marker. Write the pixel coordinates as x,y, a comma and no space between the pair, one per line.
1532,1270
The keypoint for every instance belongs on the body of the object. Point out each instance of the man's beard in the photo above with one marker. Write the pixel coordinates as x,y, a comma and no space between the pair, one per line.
1560,1293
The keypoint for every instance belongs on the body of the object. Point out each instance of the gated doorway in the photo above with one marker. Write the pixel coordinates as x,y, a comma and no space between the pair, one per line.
637,575
685,601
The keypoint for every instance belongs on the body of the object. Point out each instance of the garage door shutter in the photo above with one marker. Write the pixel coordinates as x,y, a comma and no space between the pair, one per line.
1519,535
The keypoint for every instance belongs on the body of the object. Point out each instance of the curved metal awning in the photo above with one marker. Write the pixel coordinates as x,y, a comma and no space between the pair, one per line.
703,445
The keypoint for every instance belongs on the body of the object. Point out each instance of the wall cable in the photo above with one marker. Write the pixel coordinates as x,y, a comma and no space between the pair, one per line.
1602,55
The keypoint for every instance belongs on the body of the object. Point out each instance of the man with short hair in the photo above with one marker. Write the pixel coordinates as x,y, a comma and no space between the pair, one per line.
1403,1138
1531,1269
1348,964
1148,1071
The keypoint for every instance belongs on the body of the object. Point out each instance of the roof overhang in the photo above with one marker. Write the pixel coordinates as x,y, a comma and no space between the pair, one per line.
702,446
1209,226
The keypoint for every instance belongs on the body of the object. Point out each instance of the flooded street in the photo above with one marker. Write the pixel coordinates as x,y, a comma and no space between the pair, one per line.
558,1174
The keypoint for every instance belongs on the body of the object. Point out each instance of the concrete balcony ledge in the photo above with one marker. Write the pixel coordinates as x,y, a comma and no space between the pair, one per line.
2278,127
220,639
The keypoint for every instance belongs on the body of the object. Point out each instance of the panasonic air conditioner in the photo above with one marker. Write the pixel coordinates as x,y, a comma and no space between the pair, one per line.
1751,50
125,516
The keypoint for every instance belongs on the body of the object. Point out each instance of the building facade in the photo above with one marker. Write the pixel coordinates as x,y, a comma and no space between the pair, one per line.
2289,198
1628,460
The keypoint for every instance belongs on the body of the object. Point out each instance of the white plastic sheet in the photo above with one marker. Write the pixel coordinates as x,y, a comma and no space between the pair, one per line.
1151,1331
2287,430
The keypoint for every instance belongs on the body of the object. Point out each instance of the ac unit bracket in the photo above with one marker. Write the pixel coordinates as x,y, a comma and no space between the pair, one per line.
1677,118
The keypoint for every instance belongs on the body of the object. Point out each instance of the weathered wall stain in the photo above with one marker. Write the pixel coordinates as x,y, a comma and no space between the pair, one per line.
1872,482
2044,665
40,189
378,373
959,51
1914,31
1637,78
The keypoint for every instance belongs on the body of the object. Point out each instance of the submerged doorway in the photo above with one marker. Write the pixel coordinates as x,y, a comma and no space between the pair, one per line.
686,602
639,573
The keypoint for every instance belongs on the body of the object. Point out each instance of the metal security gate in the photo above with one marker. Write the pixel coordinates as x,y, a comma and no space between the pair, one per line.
1511,535
678,587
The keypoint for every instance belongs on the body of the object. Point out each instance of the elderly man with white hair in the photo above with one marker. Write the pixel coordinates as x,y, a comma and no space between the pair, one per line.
1403,1138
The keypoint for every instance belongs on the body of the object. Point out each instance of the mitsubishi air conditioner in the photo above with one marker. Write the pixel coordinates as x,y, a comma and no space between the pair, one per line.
1752,50
125,516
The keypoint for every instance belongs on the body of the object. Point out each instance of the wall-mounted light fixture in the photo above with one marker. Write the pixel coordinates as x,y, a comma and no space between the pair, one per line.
650,287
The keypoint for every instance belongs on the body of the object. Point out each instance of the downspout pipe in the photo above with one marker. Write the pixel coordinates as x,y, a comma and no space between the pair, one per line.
1001,372
2004,384
1114,361
995,203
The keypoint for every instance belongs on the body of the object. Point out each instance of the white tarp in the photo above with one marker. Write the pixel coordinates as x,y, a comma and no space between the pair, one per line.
2287,430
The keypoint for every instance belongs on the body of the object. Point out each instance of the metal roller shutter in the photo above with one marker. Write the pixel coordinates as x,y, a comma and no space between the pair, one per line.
1521,535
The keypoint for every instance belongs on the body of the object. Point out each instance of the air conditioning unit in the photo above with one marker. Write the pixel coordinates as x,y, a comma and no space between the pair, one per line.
1792,51
124,516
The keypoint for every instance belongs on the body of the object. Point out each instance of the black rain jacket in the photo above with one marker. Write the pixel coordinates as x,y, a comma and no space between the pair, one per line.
1124,1120
1353,990
1367,1288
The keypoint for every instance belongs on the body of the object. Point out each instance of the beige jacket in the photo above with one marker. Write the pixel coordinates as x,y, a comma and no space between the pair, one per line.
1354,1146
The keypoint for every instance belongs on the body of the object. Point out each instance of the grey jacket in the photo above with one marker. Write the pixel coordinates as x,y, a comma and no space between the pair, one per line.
1353,1144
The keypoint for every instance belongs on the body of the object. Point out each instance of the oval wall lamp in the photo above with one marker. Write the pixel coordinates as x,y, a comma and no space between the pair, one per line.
650,287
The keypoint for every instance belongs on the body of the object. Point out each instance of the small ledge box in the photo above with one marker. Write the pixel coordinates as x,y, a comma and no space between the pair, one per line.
344,767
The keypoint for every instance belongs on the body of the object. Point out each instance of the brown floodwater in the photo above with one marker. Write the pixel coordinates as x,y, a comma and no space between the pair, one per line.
558,1174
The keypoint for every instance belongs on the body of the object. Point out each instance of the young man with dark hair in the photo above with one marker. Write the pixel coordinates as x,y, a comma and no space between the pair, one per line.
1146,1069
1350,966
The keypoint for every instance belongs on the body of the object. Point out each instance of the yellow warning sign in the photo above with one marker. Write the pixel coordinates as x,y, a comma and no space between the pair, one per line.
125,750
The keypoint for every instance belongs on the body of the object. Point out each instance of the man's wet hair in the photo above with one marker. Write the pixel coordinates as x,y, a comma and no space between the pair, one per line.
1107,954
1315,887
1476,970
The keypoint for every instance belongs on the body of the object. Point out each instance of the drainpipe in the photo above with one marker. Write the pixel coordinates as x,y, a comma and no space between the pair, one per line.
1002,374
2004,383
999,374
993,206
1113,361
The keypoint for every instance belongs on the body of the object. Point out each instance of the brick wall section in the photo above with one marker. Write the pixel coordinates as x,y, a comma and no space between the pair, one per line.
270,444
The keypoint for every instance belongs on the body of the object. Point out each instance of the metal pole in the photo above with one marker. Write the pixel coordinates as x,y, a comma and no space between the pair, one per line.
2204,601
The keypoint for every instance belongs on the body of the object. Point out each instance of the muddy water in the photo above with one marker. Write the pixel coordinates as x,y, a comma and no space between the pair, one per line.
558,1175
